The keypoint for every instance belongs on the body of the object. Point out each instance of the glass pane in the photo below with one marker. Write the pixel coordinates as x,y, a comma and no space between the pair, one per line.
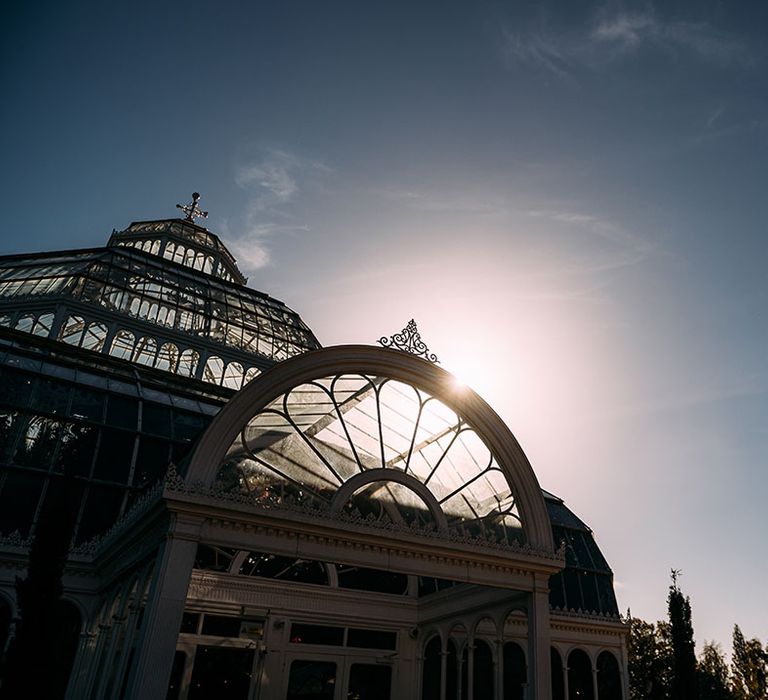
369,682
312,680
223,673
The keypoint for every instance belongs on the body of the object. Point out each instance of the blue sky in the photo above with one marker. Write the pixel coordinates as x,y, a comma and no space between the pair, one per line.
568,197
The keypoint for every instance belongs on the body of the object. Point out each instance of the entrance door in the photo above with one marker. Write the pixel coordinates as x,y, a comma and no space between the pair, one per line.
337,678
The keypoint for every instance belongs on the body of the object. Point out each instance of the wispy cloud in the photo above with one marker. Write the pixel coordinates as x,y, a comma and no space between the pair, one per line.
632,31
623,248
610,35
274,180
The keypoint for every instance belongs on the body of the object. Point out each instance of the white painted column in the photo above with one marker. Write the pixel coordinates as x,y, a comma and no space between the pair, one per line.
151,668
443,668
539,639
594,681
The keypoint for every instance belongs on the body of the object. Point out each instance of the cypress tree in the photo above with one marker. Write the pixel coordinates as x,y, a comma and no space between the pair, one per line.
684,685
749,668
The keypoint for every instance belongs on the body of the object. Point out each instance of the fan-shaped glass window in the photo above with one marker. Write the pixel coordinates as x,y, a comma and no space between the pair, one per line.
374,449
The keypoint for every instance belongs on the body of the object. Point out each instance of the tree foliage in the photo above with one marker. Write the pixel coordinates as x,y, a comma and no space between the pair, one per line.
749,668
684,684
713,674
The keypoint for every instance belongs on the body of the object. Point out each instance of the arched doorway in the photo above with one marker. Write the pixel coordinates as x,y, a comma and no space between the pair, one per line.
430,670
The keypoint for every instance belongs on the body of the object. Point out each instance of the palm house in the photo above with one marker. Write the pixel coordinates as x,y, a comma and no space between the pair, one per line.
198,500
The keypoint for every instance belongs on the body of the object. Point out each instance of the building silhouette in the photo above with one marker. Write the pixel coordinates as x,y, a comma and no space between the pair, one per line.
240,513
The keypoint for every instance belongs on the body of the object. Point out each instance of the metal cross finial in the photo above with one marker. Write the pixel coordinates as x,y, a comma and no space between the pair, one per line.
192,210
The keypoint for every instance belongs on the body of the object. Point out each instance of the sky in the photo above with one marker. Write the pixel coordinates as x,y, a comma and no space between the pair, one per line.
568,198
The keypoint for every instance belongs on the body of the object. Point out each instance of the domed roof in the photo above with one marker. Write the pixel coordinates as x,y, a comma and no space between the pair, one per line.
586,583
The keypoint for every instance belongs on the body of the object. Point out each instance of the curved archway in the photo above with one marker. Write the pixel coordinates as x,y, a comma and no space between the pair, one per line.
325,373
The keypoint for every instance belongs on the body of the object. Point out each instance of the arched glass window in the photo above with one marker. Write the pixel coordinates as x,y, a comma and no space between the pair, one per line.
122,345
608,677
168,357
213,371
233,376
208,266
170,247
580,676
72,330
25,324
43,325
376,448
94,337
250,374
188,363
178,255
155,247
145,352
189,257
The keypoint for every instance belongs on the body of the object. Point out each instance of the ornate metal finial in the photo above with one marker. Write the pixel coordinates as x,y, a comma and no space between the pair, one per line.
192,210
409,340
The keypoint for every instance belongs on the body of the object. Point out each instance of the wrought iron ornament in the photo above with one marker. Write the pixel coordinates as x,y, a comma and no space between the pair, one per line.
409,340
192,210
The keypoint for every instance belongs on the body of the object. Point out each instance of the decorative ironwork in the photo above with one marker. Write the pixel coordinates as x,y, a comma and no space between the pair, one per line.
409,340
192,210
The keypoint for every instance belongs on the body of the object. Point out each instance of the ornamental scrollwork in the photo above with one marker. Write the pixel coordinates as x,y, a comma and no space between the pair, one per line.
409,340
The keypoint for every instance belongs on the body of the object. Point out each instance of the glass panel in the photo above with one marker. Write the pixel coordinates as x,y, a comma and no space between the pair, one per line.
370,682
214,370
371,639
122,345
94,337
233,376
145,352
312,680
188,363
317,634
43,325
72,331
223,673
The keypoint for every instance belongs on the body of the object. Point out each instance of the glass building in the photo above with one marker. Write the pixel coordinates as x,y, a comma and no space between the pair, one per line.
245,514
